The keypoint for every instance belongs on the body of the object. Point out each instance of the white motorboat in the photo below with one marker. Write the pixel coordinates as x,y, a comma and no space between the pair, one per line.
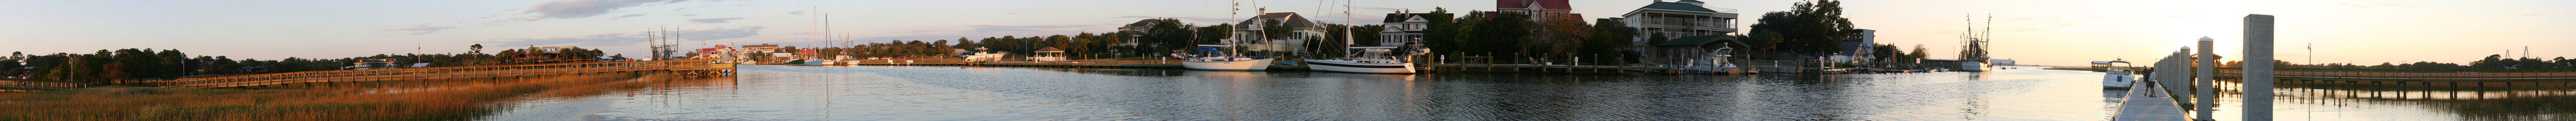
1218,60
983,55
1369,60
2118,77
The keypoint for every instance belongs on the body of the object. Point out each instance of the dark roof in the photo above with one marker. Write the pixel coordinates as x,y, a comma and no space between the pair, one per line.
1549,4
1696,40
1292,19
1142,23
1678,6
1398,17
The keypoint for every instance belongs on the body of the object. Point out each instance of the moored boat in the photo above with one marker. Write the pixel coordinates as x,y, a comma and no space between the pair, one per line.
1369,60
2118,77
1218,60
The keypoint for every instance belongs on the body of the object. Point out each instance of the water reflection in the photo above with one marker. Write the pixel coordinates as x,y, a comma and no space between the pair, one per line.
985,93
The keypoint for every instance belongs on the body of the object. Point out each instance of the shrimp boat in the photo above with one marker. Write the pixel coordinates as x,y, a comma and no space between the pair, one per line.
1218,60
2118,77
1369,60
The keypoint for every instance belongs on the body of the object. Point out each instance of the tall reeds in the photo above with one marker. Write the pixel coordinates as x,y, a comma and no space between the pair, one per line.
462,99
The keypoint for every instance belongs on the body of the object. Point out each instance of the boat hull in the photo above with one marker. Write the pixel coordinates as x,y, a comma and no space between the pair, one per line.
1241,65
1357,67
1975,66
2118,80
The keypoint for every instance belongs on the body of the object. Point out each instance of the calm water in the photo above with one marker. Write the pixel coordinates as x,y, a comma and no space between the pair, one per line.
763,92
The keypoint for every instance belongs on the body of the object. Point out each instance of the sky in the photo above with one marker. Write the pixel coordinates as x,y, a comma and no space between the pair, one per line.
2043,32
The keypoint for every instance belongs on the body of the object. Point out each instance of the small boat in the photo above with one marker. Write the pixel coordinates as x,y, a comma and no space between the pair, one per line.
983,56
1218,60
2118,77
1369,60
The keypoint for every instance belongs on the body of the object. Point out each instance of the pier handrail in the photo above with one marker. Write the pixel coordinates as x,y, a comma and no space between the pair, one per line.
2455,74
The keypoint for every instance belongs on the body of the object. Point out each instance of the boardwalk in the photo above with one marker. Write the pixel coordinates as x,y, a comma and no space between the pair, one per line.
2139,105
708,66
15,85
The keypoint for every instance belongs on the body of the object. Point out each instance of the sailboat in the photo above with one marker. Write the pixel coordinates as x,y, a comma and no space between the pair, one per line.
1367,59
1209,58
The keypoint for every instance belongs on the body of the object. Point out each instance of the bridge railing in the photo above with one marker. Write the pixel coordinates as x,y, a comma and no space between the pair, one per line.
314,76
2417,73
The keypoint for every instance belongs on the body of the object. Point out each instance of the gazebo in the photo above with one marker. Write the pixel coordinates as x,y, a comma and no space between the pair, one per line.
1048,54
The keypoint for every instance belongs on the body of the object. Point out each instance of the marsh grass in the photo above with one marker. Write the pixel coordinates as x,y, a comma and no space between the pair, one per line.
467,99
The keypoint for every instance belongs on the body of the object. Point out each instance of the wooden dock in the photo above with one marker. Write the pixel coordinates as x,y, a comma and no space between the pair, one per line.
2140,104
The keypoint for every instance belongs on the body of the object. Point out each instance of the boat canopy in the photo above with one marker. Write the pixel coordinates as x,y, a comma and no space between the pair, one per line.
1212,50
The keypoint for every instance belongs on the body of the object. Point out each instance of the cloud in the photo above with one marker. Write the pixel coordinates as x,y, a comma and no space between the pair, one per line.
2097,17
2025,30
2024,18
421,29
2174,16
797,12
568,9
1019,28
2384,5
714,20
627,15
2534,15
613,39
585,40
720,33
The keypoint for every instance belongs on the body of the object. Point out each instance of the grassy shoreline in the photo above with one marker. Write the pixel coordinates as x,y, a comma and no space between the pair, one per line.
432,100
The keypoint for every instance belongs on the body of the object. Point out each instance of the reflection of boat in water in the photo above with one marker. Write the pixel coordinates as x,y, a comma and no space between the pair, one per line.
2118,77
1212,59
1369,60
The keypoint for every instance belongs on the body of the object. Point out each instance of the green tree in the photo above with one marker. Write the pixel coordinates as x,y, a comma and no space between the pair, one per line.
1810,28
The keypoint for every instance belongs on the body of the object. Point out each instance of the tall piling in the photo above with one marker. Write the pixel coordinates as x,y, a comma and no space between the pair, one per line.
2205,97
2258,68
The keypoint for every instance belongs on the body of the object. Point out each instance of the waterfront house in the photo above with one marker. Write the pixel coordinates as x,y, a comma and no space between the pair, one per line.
1404,28
1538,10
1858,48
1678,19
761,53
1249,33
1139,26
